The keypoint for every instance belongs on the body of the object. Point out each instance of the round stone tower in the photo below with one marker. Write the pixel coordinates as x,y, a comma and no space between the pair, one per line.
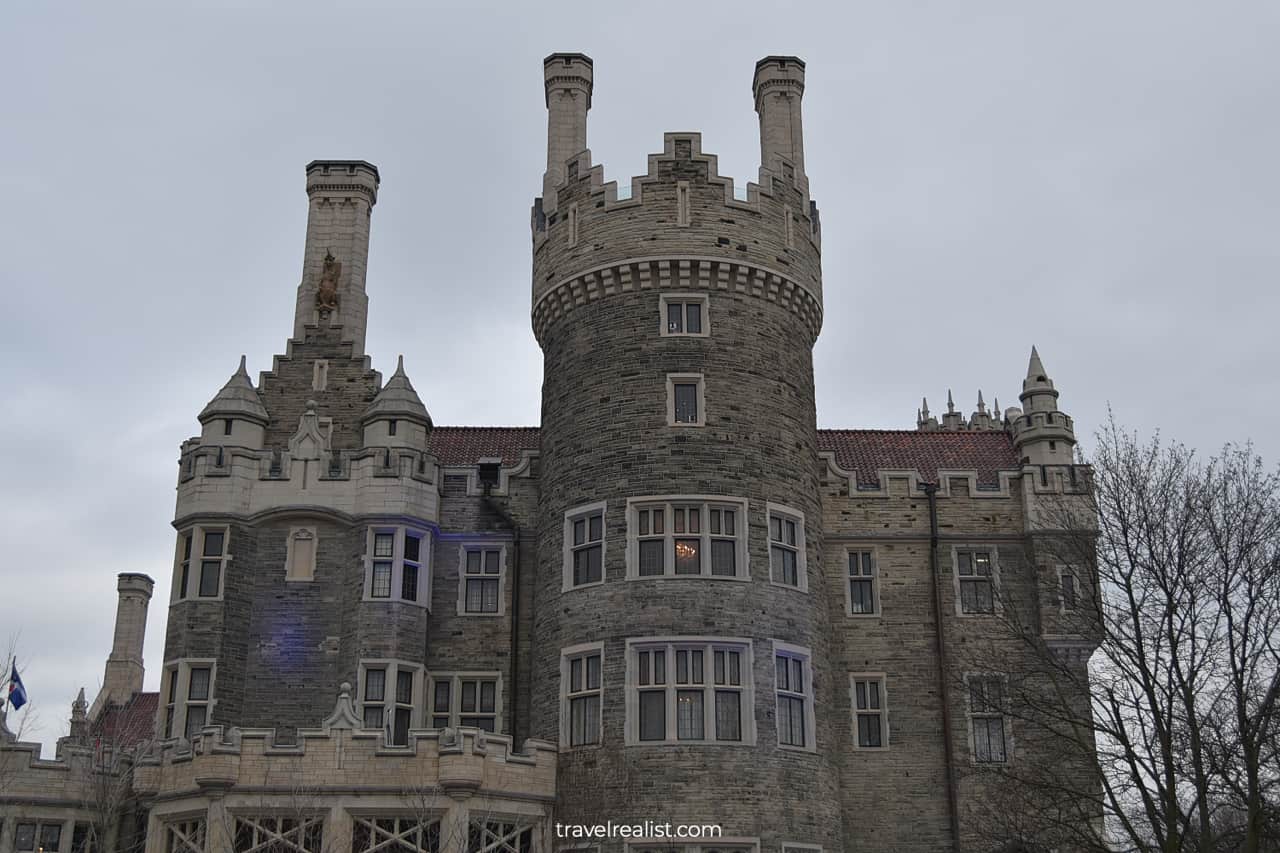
681,631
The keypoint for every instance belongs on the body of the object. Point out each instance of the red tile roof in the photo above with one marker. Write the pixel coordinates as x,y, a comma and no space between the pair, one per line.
128,725
467,445
866,451
862,450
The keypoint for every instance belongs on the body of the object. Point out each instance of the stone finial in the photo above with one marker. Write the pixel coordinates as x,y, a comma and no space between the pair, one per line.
344,712
982,409
924,408
398,400
951,404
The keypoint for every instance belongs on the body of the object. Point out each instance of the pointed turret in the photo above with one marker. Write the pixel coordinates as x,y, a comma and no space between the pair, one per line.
397,417
235,415
925,421
952,420
1042,434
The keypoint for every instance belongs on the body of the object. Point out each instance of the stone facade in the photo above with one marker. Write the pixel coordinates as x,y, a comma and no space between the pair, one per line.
667,603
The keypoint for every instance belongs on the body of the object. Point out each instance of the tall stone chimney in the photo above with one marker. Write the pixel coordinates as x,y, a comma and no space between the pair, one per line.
341,196
778,87
567,78
123,676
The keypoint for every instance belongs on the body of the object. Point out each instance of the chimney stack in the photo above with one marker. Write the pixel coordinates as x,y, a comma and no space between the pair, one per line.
778,87
123,676
567,78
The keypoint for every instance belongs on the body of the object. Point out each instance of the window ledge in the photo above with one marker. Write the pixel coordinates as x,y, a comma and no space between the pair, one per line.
576,587
802,750
803,589
731,578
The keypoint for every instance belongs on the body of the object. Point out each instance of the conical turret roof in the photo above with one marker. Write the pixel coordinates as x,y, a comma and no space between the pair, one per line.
397,399
237,399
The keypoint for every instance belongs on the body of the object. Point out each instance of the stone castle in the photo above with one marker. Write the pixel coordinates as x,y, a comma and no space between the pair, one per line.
675,601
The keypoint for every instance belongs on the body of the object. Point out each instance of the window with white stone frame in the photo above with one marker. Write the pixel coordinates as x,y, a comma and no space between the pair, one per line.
793,683
989,735
481,579
686,400
501,835
786,547
471,699
188,690
389,692
581,692
389,833
395,565
185,836
689,690
683,315
870,711
977,580
273,833
584,543
201,562
862,589
674,536
31,835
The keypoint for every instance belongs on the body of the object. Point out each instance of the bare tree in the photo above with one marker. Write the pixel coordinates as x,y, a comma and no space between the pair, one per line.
116,739
1171,730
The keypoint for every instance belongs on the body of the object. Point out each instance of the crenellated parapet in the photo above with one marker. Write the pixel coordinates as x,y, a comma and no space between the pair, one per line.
342,758
682,226
243,481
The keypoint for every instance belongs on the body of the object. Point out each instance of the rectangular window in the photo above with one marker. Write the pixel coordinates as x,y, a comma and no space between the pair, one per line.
862,583
388,698
688,690
976,579
580,673
584,546
201,560
383,833
481,583
185,565
394,561
686,405
786,548
686,394
986,719
188,690
50,836
794,686
185,836
684,538
1068,581
683,314
470,700
869,712
198,681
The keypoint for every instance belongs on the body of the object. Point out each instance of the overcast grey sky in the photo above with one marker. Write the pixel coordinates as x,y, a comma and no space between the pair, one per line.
1097,178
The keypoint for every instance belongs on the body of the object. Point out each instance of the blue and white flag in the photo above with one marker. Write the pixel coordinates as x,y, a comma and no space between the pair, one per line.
17,693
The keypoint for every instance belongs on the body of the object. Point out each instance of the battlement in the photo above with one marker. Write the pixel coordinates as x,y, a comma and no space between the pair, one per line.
222,480
338,177
343,757
681,211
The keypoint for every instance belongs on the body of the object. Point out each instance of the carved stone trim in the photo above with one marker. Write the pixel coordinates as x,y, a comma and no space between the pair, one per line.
722,274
